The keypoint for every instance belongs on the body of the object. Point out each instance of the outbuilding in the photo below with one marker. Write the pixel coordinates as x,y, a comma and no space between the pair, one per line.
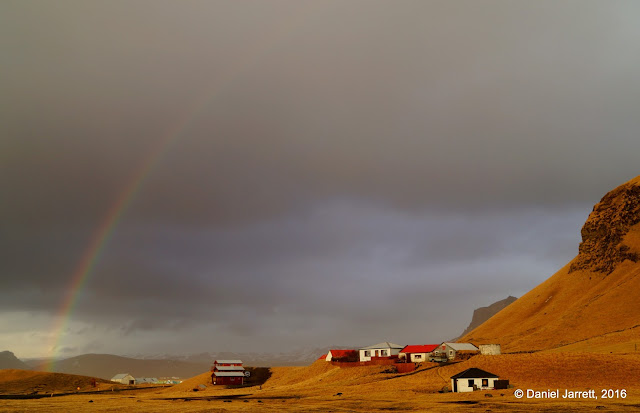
342,355
228,377
490,349
384,349
452,350
417,353
124,378
227,372
473,379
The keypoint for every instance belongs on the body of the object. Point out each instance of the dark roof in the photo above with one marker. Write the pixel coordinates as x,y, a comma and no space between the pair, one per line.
473,373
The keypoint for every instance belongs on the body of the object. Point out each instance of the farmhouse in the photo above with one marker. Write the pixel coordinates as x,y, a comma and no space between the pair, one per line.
124,378
473,379
384,349
452,351
227,372
417,353
342,355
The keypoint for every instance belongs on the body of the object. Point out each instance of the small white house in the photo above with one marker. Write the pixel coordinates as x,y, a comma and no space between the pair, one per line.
449,350
124,378
384,349
473,379
417,353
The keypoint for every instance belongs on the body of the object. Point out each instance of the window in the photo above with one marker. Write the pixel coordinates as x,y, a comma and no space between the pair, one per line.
383,353
417,356
485,382
471,383
367,353
450,353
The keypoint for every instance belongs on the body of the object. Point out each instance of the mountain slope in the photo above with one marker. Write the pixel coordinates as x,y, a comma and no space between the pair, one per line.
595,294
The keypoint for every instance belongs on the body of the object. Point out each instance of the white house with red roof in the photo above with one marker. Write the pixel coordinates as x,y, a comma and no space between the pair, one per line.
417,353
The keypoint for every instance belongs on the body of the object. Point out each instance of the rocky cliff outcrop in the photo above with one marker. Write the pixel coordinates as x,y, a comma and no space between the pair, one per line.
602,247
482,314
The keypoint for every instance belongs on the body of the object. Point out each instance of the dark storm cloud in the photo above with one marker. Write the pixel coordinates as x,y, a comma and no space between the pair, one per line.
331,160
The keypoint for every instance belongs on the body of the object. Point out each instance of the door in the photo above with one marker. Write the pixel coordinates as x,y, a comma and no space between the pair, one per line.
455,385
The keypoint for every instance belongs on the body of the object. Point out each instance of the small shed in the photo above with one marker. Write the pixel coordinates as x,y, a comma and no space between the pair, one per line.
417,353
384,349
124,378
473,379
342,355
490,349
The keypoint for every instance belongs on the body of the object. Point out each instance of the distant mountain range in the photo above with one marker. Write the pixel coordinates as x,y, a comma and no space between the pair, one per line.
105,366
301,357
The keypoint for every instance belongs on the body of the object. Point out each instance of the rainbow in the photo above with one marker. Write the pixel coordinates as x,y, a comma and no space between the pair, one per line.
105,230
100,238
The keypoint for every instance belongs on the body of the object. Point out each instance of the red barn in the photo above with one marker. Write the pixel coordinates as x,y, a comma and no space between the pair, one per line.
342,355
227,372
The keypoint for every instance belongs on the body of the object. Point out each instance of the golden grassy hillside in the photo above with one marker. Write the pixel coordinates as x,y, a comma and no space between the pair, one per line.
591,300
14,381
321,387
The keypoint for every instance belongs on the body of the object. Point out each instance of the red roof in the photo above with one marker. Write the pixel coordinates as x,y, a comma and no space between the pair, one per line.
420,348
342,353
322,357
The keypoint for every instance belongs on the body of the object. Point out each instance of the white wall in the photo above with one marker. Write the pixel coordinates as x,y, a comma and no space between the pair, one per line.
490,349
422,357
463,384
372,352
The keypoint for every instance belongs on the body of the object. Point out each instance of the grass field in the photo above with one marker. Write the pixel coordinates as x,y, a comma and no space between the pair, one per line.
321,387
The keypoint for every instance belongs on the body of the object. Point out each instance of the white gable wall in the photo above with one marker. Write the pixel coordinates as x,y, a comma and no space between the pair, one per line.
463,384
367,353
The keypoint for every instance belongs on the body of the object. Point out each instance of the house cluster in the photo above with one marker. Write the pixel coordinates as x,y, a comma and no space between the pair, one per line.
416,353
126,378
404,357
228,372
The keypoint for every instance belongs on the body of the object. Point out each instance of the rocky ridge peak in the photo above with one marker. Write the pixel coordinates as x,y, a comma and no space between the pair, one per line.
602,247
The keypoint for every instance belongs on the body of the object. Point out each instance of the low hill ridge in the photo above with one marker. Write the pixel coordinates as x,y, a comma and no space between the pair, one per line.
106,366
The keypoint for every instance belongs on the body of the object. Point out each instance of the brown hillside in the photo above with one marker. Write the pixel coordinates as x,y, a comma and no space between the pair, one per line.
594,295
13,381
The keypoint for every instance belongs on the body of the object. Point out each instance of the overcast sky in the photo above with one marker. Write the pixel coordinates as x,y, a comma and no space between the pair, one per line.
337,172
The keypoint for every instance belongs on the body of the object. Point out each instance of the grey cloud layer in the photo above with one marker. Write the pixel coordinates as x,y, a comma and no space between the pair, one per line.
318,144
